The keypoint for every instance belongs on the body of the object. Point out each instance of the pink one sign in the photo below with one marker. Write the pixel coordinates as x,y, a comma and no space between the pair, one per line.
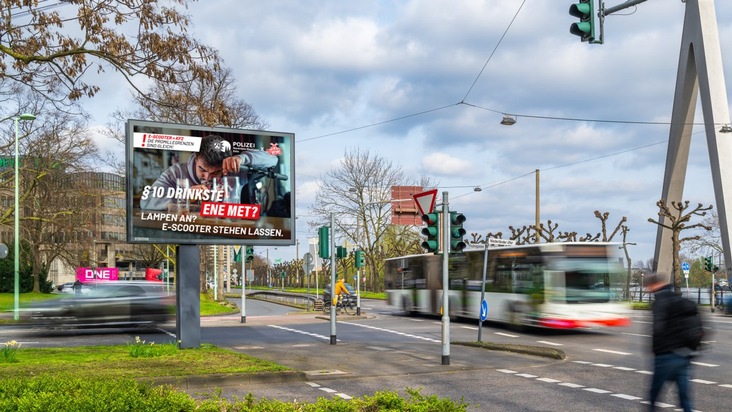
97,275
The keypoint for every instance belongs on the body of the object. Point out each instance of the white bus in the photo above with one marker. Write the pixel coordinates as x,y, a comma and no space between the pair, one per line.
551,285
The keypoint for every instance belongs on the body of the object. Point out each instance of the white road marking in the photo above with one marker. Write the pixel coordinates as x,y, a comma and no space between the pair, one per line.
548,380
596,390
302,332
469,327
313,384
636,334
711,365
582,362
612,351
329,390
506,371
506,334
644,372
703,381
344,396
623,368
726,385
628,397
546,342
571,385
416,320
526,375
602,365
392,331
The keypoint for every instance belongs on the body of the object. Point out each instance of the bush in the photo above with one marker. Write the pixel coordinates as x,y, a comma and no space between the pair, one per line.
66,393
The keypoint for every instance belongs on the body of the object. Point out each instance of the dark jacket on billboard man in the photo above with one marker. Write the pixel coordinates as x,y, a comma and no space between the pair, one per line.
213,161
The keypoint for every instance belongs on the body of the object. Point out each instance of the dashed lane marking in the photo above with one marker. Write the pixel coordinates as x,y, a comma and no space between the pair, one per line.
546,342
409,335
302,332
507,335
615,352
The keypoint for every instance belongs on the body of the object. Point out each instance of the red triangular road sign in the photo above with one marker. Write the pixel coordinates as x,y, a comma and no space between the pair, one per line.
425,201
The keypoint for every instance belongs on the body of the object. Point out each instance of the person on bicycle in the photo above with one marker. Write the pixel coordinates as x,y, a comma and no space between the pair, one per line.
340,288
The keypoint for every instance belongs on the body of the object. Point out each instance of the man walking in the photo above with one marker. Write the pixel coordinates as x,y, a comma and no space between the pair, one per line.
672,356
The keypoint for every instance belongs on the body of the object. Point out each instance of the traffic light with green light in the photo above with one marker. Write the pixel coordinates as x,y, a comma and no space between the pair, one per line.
457,232
324,242
432,231
585,27
360,259
250,254
708,265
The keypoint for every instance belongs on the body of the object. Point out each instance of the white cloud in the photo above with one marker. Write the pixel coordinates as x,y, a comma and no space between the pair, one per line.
390,76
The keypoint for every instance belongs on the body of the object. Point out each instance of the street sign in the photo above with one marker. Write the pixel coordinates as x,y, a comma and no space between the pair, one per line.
685,268
425,201
483,310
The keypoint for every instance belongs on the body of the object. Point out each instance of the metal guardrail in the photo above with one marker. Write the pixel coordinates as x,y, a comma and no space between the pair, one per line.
286,298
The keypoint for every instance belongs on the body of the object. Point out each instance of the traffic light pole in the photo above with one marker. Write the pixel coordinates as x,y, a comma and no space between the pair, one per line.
334,299
244,284
445,280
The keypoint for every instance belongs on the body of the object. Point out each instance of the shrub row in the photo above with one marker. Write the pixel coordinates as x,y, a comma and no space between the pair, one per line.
61,393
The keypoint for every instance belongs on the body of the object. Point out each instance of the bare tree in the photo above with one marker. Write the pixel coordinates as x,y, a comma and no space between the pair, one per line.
358,193
50,48
57,149
677,219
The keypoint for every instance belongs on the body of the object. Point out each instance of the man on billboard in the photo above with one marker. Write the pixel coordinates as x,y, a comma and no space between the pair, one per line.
213,161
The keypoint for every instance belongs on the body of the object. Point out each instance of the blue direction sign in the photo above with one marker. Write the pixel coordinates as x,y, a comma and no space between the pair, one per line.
483,310
685,266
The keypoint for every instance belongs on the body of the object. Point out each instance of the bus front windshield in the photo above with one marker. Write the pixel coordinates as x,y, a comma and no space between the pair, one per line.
586,280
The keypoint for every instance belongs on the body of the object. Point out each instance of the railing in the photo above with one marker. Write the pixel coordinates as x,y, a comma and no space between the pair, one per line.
286,298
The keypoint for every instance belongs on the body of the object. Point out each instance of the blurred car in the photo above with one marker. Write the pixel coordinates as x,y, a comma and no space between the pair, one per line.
349,288
105,304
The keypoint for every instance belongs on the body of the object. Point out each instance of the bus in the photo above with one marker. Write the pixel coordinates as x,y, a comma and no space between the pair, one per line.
549,285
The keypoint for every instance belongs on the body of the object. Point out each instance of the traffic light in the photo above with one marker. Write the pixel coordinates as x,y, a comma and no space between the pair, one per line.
432,231
585,27
250,254
360,259
341,252
237,255
457,232
324,242
708,265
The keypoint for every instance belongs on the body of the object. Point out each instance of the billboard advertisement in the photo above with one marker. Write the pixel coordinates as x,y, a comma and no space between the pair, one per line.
201,185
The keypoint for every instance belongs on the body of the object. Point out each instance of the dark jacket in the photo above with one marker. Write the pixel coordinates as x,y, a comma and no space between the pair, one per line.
667,335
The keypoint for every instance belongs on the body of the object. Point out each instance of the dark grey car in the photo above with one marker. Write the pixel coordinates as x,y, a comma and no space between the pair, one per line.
107,304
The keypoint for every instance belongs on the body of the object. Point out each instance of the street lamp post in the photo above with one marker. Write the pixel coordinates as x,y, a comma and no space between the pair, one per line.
16,250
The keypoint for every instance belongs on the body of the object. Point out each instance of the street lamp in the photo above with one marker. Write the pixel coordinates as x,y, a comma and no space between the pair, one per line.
16,250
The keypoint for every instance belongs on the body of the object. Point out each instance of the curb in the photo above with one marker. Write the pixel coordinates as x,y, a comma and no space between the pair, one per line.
541,351
225,380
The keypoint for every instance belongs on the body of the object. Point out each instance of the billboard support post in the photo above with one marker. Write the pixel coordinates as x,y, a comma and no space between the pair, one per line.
188,298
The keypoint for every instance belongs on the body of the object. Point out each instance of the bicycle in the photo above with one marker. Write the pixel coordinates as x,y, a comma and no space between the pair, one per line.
347,304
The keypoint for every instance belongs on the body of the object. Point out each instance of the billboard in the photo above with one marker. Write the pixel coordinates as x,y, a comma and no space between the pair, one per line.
201,185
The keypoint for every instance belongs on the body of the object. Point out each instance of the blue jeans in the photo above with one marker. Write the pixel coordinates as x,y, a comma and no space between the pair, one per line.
671,367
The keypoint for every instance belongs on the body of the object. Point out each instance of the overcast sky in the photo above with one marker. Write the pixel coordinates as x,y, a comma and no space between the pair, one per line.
326,70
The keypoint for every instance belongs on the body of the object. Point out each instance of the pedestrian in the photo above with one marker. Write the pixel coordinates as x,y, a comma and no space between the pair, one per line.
77,287
672,354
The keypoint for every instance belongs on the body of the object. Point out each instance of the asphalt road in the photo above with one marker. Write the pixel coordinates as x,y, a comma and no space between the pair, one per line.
605,370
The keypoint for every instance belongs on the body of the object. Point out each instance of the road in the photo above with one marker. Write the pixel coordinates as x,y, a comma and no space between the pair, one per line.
604,370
